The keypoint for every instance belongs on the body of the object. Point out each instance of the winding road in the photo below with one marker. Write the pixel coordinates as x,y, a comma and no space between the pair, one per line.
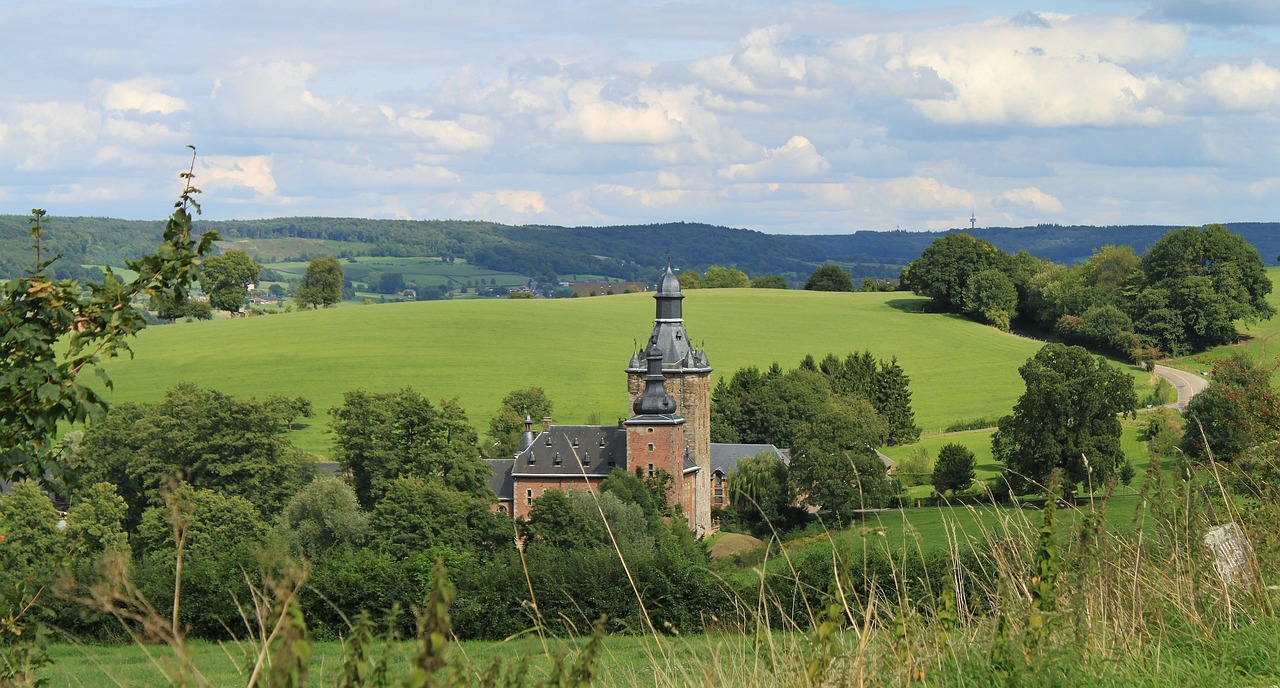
1187,384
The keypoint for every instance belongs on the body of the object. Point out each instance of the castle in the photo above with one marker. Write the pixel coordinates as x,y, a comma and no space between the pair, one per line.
669,431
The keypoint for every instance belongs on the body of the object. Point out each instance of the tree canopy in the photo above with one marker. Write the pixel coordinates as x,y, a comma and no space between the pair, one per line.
1237,412
769,282
830,277
944,270
204,437
322,285
226,279
720,277
1183,295
762,494
382,436
507,425
954,468
833,462
1067,419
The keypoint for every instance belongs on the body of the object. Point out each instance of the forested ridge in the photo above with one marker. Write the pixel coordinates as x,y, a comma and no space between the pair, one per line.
625,252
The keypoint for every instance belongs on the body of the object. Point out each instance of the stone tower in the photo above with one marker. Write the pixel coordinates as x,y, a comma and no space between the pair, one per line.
655,437
688,380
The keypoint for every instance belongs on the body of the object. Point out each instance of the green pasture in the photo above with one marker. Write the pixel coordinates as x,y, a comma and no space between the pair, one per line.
979,442
574,348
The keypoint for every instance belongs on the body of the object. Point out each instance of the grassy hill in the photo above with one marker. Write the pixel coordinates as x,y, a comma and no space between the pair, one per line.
575,348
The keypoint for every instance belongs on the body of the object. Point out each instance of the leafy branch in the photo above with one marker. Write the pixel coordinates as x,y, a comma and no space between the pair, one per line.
53,330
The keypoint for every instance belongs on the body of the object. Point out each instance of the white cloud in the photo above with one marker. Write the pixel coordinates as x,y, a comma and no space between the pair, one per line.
796,159
1032,198
505,203
924,193
141,95
1252,88
1065,71
446,135
50,134
275,99
647,120
226,171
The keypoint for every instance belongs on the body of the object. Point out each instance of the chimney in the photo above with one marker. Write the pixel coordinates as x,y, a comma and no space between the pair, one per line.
546,423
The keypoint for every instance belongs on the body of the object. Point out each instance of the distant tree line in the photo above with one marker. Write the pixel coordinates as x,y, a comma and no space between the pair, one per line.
1183,295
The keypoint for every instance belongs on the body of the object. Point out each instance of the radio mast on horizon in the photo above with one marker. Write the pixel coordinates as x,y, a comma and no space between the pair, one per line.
973,218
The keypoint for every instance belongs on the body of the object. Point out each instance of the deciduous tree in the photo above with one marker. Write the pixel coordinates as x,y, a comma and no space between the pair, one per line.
382,436
769,282
415,514
944,270
991,297
322,516
1238,411
226,279
690,279
1067,419
760,490
1212,278
833,464
322,285
53,331
830,277
954,468
202,436
720,277
507,425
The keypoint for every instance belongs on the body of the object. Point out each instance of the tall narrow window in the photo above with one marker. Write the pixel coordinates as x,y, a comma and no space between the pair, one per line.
528,497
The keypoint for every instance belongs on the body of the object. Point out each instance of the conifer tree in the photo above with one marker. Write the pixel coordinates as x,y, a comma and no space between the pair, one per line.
892,398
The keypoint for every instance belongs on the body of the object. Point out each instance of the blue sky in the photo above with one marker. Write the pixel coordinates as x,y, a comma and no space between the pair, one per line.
786,117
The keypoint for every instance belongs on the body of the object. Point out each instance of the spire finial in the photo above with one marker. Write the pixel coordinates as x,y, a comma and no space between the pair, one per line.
668,259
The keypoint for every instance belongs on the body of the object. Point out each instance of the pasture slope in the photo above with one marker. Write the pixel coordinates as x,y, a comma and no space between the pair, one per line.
574,348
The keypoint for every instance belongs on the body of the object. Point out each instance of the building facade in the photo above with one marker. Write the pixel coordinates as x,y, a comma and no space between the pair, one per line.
668,431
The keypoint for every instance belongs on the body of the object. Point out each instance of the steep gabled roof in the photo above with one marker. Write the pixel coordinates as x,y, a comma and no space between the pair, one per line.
572,450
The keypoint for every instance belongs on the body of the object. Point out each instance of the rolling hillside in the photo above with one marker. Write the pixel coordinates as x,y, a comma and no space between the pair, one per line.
575,348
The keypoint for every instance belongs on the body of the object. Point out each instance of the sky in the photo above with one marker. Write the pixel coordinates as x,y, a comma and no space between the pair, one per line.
782,116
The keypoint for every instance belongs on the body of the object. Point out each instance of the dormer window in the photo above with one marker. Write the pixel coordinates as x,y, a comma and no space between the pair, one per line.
548,440
602,443
586,459
575,441
557,460
532,460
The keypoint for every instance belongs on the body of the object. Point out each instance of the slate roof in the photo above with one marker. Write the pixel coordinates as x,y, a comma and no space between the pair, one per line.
571,450
725,456
669,334
500,480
